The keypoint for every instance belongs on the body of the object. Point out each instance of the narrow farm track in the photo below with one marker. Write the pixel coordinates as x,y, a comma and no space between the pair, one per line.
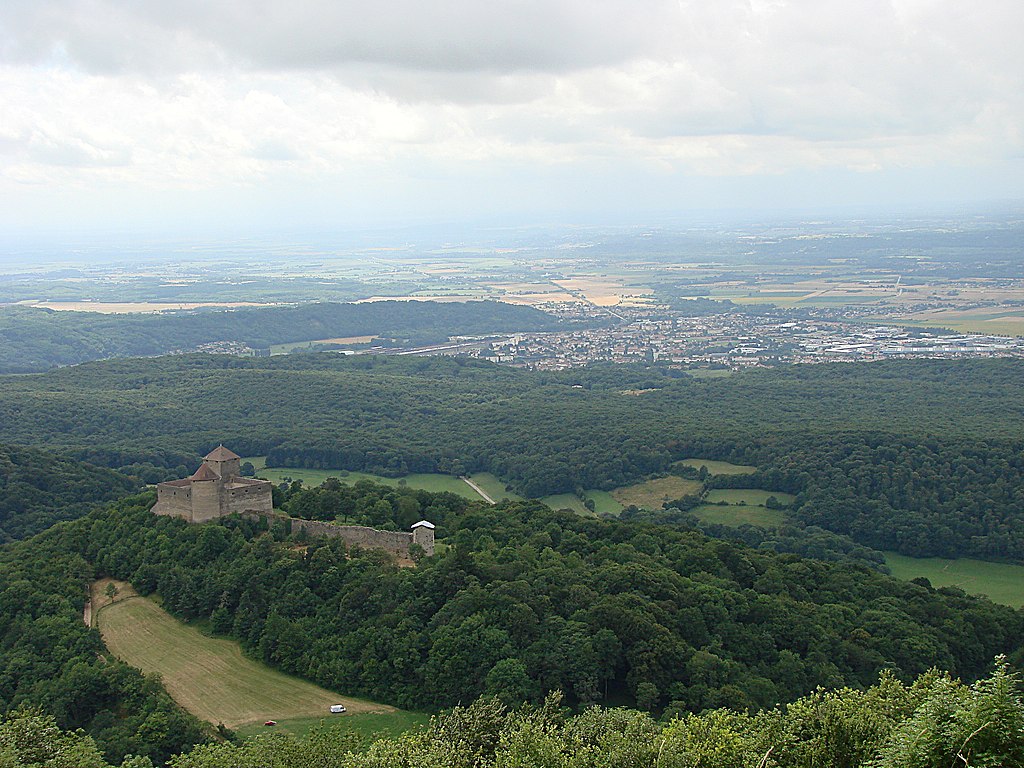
479,490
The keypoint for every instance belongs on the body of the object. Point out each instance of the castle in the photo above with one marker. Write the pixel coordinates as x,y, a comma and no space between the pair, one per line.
217,489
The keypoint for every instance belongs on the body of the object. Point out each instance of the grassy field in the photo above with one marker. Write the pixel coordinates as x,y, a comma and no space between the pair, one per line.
651,494
1001,582
567,501
717,467
493,486
749,496
604,503
709,373
209,676
368,725
736,515
312,477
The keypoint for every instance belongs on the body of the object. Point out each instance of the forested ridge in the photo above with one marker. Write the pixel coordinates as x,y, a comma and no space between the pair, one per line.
51,659
34,339
38,488
521,601
925,457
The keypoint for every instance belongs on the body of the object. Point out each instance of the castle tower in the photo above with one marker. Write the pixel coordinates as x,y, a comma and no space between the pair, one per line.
225,463
205,494
423,534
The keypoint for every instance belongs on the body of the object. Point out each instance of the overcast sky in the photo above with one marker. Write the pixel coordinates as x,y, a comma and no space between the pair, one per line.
178,113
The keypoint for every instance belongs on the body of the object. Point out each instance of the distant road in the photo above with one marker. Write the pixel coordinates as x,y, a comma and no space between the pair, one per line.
478,489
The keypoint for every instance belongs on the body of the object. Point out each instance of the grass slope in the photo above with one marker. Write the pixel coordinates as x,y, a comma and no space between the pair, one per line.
750,496
1001,582
651,494
434,483
736,515
209,676
717,467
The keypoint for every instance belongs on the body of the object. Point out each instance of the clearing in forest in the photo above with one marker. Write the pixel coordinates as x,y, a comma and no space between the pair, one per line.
208,676
651,494
1001,582
604,503
754,497
717,467
736,515
435,483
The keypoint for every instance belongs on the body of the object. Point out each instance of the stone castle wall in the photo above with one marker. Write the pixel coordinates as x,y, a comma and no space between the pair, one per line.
248,498
395,542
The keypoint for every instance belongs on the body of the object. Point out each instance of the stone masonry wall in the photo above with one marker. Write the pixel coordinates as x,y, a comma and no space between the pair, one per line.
396,542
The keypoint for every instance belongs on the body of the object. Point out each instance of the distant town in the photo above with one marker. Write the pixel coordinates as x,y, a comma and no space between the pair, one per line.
735,341
724,341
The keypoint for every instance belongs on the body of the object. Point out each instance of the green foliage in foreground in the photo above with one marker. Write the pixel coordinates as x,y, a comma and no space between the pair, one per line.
936,722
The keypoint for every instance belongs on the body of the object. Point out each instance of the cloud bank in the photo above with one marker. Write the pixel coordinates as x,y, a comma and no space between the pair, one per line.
415,104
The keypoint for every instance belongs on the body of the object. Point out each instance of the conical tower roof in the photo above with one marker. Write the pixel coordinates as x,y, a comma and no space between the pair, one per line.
204,473
220,453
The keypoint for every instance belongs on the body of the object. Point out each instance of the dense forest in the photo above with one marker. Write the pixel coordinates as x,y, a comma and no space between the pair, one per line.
925,457
521,601
51,659
39,339
38,489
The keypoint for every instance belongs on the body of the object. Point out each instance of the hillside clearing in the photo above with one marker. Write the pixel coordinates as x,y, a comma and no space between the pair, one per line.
717,467
651,494
735,515
435,483
1000,582
754,497
208,676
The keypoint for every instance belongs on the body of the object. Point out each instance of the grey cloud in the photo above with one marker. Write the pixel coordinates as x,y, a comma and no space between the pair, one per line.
441,35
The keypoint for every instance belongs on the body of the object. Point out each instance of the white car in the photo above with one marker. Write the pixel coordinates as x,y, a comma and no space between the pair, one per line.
337,709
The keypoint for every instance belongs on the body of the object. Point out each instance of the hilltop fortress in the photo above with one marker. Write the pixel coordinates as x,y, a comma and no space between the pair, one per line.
218,489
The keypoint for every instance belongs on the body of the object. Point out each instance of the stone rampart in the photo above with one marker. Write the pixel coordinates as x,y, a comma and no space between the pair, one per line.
395,542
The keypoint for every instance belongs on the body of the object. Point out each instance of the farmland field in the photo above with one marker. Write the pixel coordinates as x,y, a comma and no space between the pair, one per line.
604,503
651,494
567,501
313,477
1002,582
736,515
717,467
209,676
749,496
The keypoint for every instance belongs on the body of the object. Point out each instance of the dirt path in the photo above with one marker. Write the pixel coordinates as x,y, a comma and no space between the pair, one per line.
478,489
87,613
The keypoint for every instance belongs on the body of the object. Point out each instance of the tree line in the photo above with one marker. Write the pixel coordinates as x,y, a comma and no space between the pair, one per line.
925,457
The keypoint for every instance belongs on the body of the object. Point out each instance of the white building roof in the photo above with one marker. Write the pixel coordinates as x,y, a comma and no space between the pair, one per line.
423,524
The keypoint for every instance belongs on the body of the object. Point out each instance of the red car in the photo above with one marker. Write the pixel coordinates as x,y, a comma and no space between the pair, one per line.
271,722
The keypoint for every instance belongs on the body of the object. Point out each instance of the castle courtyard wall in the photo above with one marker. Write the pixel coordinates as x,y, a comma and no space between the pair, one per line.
395,542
